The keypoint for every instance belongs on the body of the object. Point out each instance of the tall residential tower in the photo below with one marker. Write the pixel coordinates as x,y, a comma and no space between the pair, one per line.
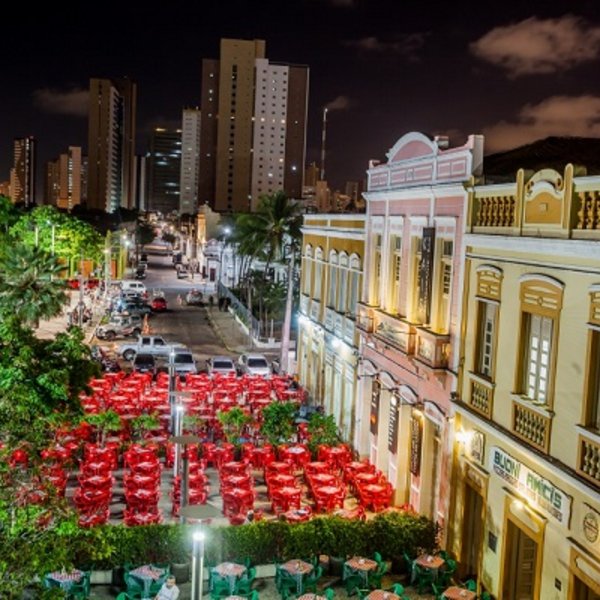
254,127
111,143
22,175
190,161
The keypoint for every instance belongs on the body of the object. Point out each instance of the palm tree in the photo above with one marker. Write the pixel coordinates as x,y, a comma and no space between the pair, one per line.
30,287
273,228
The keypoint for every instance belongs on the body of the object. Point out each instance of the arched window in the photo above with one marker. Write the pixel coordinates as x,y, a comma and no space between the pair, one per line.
333,261
307,269
318,269
354,284
342,283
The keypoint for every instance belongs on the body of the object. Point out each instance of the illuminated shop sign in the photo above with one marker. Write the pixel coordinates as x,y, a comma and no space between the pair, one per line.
538,490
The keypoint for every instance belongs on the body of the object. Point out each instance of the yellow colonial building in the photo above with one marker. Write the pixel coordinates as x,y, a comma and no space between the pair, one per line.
526,484
332,263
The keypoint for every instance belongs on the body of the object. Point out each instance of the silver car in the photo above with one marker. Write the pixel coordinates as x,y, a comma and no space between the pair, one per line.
183,361
254,364
221,365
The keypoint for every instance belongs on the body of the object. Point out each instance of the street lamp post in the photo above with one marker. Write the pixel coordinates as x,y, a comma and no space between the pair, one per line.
287,321
197,565
179,410
226,232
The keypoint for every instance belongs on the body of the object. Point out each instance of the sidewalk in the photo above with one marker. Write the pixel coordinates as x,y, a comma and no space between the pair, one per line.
229,331
48,329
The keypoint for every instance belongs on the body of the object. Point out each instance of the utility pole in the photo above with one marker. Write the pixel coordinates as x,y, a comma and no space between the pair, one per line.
287,321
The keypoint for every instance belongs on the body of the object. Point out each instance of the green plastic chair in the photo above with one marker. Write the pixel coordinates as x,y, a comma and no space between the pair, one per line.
445,576
220,589
470,584
376,576
352,583
409,562
329,593
253,595
126,596
80,590
377,557
287,584
397,589
486,596
133,585
310,583
437,593
362,593
156,585
424,578
243,586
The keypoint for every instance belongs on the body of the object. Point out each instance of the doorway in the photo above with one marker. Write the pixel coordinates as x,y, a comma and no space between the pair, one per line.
472,532
584,592
520,565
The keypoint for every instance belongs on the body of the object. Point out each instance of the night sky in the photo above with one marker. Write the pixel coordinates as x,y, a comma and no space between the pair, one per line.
514,71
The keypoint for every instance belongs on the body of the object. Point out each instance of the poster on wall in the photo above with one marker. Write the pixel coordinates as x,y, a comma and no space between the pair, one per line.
374,417
416,439
393,423
425,275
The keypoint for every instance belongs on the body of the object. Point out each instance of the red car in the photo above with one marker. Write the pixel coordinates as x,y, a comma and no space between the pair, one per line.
158,304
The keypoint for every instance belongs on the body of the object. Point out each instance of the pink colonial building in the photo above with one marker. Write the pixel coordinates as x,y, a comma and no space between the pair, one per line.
409,317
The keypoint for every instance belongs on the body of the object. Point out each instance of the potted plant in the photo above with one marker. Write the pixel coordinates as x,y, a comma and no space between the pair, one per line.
322,430
278,422
233,422
104,423
142,425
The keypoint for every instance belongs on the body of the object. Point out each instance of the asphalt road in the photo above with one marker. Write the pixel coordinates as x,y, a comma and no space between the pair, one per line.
186,325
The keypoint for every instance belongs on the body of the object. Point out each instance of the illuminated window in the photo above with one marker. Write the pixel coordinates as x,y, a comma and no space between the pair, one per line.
332,280
487,316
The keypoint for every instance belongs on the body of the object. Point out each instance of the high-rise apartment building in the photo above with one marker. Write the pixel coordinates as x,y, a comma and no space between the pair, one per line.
141,187
254,127
111,143
164,169
22,175
190,160
63,179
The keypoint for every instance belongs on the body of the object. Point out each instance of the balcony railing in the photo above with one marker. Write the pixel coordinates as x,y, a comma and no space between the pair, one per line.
315,310
498,211
531,426
364,318
304,304
589,459
481,397
432,348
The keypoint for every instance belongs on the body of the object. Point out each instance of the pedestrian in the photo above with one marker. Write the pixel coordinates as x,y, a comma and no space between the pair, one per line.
221,302
211,301
179,299
227,303
168,591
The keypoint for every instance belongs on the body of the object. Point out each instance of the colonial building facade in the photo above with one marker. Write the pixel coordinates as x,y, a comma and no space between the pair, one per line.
526,491
332,271
409,316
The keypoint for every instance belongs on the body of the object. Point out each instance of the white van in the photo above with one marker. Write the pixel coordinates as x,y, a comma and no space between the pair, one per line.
134,286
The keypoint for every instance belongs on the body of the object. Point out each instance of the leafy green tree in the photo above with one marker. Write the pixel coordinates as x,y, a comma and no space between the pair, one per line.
9,214
72,239
278,422
30,287
321,430
233,422
40,382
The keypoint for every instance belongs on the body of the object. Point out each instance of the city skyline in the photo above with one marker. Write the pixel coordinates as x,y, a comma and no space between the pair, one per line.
515,72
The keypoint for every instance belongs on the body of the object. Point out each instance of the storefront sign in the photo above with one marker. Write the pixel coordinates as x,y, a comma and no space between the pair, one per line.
374,416
476,447
538,490
425,275
416,438
591,527
393,423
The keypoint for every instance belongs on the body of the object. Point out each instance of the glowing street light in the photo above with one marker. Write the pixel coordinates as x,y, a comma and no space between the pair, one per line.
197,565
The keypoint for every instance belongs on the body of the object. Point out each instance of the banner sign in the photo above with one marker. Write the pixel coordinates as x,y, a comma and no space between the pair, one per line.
539,491
425,275
416,438
374,417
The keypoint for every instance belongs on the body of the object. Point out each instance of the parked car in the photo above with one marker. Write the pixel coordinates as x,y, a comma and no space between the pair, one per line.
122,326
183,361
140,273
222,365
194,298
158,304
183,273
254,364
134,286
147,344
144,363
